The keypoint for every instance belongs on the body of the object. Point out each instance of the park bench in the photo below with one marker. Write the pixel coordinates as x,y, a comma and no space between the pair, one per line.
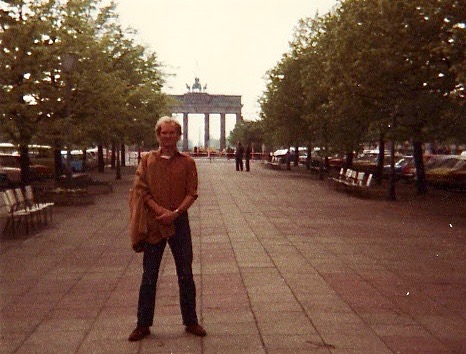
18,207
353,181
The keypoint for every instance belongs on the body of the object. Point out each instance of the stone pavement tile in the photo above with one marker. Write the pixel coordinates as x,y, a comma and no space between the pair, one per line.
225,316
260,277
52,342
10,342
306,281
219,267
79,299
180,343
415,344
232,328
417,303
110,330
325,303
450,330
119,311
271,298
456,344
222,284
363,342
111,317
308,343
331,323
284,323
19,321
233,302
80,312
278,306
386,317
383,330
65,324
116,346
227,344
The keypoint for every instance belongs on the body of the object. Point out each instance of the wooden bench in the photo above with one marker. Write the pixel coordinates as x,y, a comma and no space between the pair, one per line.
18,207
12,213
353,181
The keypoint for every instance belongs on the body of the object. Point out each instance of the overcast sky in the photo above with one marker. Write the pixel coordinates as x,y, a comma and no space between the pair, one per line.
228,44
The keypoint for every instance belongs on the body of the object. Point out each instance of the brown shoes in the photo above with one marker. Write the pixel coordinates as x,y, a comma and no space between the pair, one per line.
138,334
196,329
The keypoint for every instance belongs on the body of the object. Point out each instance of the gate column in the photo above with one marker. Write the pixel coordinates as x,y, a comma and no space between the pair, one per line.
239,118
206,130
185,132
222,132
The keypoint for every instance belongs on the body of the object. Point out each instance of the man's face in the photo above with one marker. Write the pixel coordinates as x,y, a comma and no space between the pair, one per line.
168,136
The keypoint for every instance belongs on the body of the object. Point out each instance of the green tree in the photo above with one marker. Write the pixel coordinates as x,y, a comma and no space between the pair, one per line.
113,92
248,132
282,105
26,66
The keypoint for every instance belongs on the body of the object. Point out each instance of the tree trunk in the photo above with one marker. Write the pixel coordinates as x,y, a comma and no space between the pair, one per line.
309,157
123,154
84,160
380,159
113,162
421,183
288,162
100,158
58,163
118,160
392,186
24,164
296,156
348,159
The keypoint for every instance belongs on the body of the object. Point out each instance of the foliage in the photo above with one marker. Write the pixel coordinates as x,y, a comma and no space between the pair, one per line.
247,132
111,93
372,68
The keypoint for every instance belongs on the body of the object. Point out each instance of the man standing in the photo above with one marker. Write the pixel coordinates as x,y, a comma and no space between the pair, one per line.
166,180
247,156
239,157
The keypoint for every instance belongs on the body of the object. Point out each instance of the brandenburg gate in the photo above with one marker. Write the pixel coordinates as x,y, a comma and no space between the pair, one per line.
196,101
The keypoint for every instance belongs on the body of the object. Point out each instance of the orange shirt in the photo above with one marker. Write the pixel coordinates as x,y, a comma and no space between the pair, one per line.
170,180
167,181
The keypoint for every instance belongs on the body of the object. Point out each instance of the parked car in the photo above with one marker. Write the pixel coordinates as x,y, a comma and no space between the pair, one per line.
336,161
77,160
449,173
280,155
11,168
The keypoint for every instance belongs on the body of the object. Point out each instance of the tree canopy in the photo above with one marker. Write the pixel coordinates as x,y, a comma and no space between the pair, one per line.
72,76
372,68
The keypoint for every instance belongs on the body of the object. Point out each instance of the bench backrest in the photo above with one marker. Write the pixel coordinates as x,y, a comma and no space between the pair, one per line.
360,180
369,180
5,207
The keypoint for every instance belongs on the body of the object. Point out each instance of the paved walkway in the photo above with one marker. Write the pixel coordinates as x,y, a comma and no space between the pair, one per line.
283,264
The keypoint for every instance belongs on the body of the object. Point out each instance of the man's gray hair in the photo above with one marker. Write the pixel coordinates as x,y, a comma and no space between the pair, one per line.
169,120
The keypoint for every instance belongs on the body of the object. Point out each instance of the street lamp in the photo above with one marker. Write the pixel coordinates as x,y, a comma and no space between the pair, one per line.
69,61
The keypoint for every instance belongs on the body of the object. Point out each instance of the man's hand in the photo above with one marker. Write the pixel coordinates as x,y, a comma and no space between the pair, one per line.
167,217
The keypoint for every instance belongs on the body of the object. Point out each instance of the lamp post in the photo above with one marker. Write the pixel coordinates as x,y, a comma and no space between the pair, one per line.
69,61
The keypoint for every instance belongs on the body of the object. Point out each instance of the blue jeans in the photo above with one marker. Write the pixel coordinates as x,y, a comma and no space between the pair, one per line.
182,250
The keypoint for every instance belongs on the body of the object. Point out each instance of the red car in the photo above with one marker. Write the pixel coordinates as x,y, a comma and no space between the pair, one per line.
10,169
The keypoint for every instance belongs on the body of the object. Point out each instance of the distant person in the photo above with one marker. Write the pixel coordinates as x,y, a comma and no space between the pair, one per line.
165,186
239,157
247,156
